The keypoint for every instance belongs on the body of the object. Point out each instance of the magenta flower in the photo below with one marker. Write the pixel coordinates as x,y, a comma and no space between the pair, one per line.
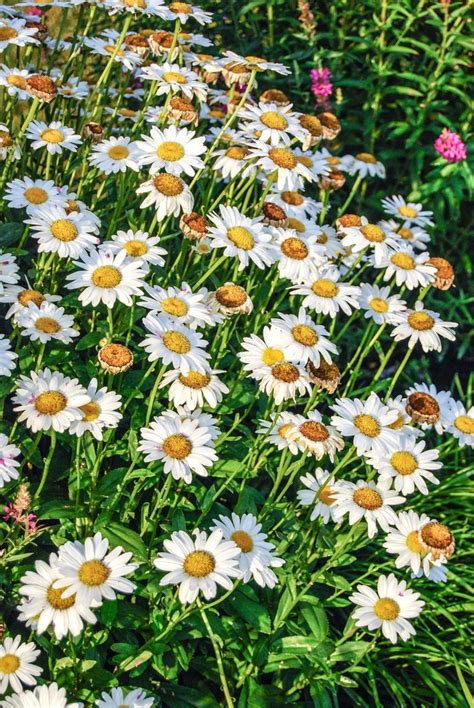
450,146
321,85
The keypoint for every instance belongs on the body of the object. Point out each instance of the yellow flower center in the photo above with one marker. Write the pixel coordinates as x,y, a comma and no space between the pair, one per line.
181,7
106,277
135,248
243,540
52,135
403,462
285,372
174,306
407,211
292,198
373,233
387,609
272,356
367,425
177,446
314,431
198,564
465,424
296,224
64,230
176,342
378,305
304,335
48,325
118,152
241,237
57,601
274,120
323,237
325,496
367,498
110,48
236,153
50,402
170,151
17,80
9,663
282,157
413,542
135,3
366,157
7,33
324,288
173,77
436,535
91,411
398,423
285,430
26,296
294,248
333,161
194,380
406,234
420,321
126,112
169,185
403,260
35,195
93,573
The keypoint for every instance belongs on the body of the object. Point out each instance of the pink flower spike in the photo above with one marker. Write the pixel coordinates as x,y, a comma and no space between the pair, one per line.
450,146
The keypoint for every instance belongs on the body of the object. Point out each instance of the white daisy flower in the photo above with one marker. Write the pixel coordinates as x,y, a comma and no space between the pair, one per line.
195,389
91,572
183,11
29,194
15,32
241,236
8,461
74,205
14,80
106,277
174,150
7,357
199,564
262,351
283,381
378,305
364,164
17,665
66,233
179,304
314,162
154,8
302,339
415,236
320,494
403,423
55,137
325,293
280,431
379,242
117,154
327,237
409,212
19,297
331,162
8,270
428,407
459,422
173,78
48,399
44,605
298,254
231,162
174,344
315,437
40,697
168,194
73,87
367,422
367,500
138,246
271,123
101,411
256,559
407,466
282,163
403,540
255,63
423,326
46,322
122,697
105,46
389,608
409,269
295,204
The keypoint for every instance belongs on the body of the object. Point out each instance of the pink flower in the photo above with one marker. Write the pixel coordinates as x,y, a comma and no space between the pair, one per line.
321,85
450,146
34,11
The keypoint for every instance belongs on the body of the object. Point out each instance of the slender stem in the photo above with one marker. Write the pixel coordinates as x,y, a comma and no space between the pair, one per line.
220,665
47,464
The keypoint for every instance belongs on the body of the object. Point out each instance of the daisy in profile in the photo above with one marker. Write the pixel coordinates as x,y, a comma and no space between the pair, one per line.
367,500
252,63
174,344
8,461
117,154
407,466
378,305
61,231
403,541
19,297
16,32
195,389
14,80
184,443
17,665
8,270
48,399
106,277
55,137
172,78
283,381
315,437
105,46
374,238
174,150
367,423
280,163
409,269
169,194
281,431
46,322
459,422
184,11
298,254
90,572
403,424
325,293
428,407
319,494
364,164
150,8
302,339
180,304
241,236
29,194
40,697
101,411
7,357
295,204
138,246
388,609
122,697
199,564
271,123
228,300
328,239
409,212
256,558
423,326
44,606
415,236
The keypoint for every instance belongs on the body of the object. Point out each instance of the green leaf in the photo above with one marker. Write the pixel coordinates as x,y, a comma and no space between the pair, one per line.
119,535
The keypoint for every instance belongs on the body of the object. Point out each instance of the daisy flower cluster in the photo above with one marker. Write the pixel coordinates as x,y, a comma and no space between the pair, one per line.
204,363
